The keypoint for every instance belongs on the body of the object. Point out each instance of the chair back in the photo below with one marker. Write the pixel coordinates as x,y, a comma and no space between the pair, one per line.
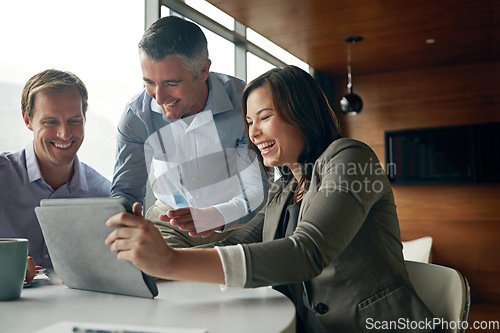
418,249
444,290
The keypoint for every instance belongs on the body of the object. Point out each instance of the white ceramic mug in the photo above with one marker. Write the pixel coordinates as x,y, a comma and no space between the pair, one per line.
13,259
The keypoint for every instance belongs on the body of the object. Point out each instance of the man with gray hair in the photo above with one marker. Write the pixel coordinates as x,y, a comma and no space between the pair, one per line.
54,106
184,133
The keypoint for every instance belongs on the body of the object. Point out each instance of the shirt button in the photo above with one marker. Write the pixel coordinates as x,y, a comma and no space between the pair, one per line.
46,256
321,308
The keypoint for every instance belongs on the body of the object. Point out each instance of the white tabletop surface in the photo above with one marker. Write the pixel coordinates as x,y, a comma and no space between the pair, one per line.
183,305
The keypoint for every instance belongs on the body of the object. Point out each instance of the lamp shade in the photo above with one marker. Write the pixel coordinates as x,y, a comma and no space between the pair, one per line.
351,104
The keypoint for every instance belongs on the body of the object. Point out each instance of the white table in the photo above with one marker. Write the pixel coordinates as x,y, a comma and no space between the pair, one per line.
178,305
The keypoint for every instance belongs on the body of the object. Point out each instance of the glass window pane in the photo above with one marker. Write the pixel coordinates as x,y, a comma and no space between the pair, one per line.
256,66
275,50
165,11
88,39
211,11
221,52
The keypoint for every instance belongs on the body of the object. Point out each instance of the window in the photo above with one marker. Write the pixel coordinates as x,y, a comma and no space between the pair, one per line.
221,51
211,11
275,50
96,40
256,66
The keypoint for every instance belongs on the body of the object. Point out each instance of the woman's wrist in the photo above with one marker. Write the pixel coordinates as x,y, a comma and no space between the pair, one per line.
199,265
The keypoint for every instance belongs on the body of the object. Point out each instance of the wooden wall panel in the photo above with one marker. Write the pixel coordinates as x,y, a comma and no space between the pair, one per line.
464,220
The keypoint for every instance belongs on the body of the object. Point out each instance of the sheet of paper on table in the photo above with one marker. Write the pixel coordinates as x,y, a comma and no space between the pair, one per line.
84,327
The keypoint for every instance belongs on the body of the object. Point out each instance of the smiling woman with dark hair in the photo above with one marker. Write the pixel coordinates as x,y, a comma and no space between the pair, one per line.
299,101
328,236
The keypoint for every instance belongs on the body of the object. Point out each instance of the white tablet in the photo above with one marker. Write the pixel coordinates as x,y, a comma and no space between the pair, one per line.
74,231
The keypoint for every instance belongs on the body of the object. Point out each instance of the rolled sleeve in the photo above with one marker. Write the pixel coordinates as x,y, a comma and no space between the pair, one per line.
233,264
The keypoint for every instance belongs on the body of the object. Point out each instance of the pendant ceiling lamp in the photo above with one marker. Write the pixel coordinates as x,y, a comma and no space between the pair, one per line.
351,103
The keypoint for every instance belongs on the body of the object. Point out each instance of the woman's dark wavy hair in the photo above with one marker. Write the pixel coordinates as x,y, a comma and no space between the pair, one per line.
298,100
